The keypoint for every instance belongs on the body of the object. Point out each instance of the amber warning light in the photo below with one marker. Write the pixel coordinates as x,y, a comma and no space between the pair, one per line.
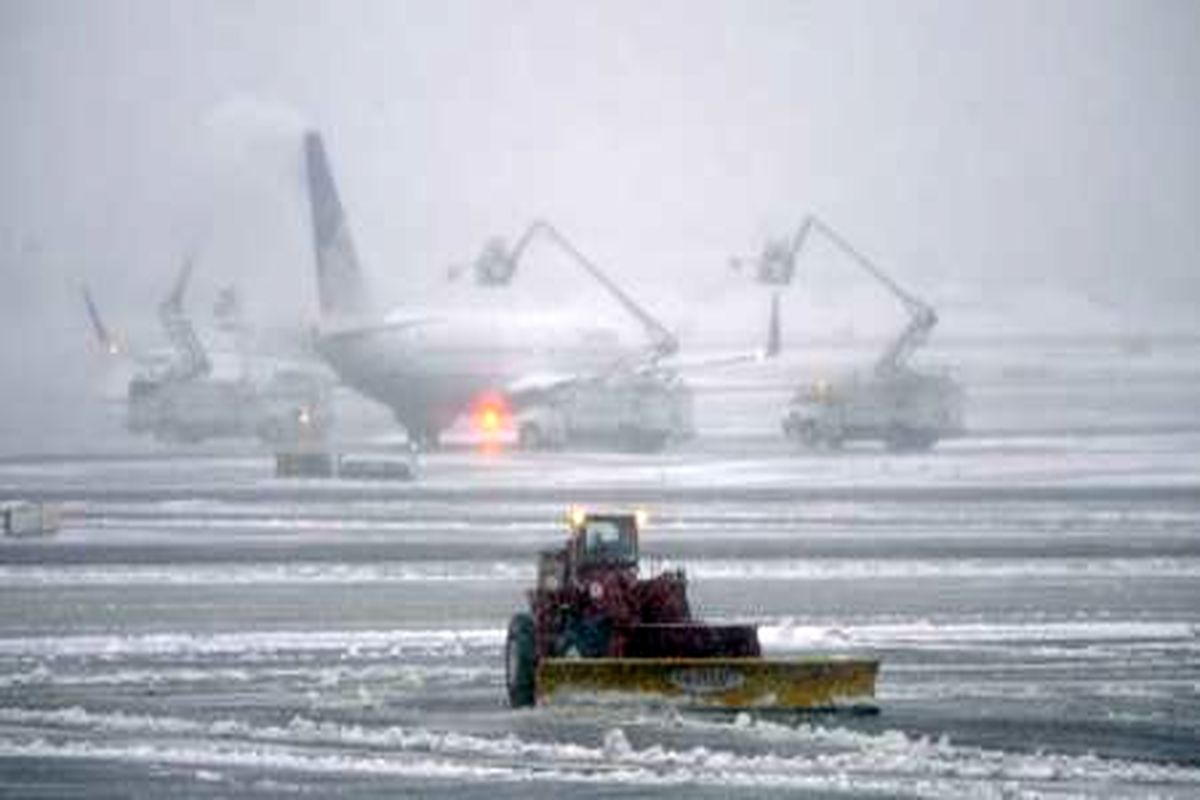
491,416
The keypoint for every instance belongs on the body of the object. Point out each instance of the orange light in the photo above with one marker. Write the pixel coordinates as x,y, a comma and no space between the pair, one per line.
491,414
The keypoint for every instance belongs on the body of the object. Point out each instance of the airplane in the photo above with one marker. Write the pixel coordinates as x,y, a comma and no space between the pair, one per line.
430,367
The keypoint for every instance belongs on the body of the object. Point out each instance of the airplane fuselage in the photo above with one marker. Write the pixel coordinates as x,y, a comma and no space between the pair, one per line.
430,368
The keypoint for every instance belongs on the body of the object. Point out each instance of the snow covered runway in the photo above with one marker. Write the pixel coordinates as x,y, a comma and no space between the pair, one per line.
201,627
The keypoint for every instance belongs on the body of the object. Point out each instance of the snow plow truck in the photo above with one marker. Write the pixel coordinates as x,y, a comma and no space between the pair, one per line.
597,630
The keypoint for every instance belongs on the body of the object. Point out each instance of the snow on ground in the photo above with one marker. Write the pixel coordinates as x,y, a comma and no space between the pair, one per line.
201,627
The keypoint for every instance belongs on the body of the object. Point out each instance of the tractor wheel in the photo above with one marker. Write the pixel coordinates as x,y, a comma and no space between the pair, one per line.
520,661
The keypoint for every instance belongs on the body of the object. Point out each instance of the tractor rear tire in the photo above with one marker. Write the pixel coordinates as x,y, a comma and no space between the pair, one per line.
520,661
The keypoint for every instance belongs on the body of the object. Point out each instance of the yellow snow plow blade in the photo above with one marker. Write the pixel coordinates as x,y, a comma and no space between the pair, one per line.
802,683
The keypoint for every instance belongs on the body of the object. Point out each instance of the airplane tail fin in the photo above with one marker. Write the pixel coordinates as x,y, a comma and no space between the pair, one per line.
774,329
103,335
340,287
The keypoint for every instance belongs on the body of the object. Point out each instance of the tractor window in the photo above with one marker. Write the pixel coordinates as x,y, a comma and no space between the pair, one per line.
608,540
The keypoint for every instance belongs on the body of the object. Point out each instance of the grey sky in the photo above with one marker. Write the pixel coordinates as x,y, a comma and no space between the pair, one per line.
979,145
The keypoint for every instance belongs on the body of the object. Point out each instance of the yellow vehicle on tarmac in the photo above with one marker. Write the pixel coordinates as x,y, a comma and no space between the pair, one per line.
596,630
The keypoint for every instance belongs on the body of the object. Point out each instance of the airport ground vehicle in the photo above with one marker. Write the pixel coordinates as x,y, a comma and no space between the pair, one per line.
905,408
176,397
26,518
635,412
597,629
289,406
307,461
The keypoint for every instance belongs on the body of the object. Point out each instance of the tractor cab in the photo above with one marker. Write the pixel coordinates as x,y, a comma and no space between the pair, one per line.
603,540
596,543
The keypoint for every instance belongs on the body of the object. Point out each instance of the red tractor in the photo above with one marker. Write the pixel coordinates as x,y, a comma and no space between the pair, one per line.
595,625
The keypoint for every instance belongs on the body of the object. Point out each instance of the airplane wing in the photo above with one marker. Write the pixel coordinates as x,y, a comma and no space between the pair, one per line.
355,329
534,387
770,349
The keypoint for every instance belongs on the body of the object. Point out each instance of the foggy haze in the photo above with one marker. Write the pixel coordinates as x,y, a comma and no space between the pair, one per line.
1033,165
544,539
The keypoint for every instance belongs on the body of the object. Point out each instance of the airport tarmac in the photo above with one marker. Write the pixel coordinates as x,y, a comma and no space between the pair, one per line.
202,628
